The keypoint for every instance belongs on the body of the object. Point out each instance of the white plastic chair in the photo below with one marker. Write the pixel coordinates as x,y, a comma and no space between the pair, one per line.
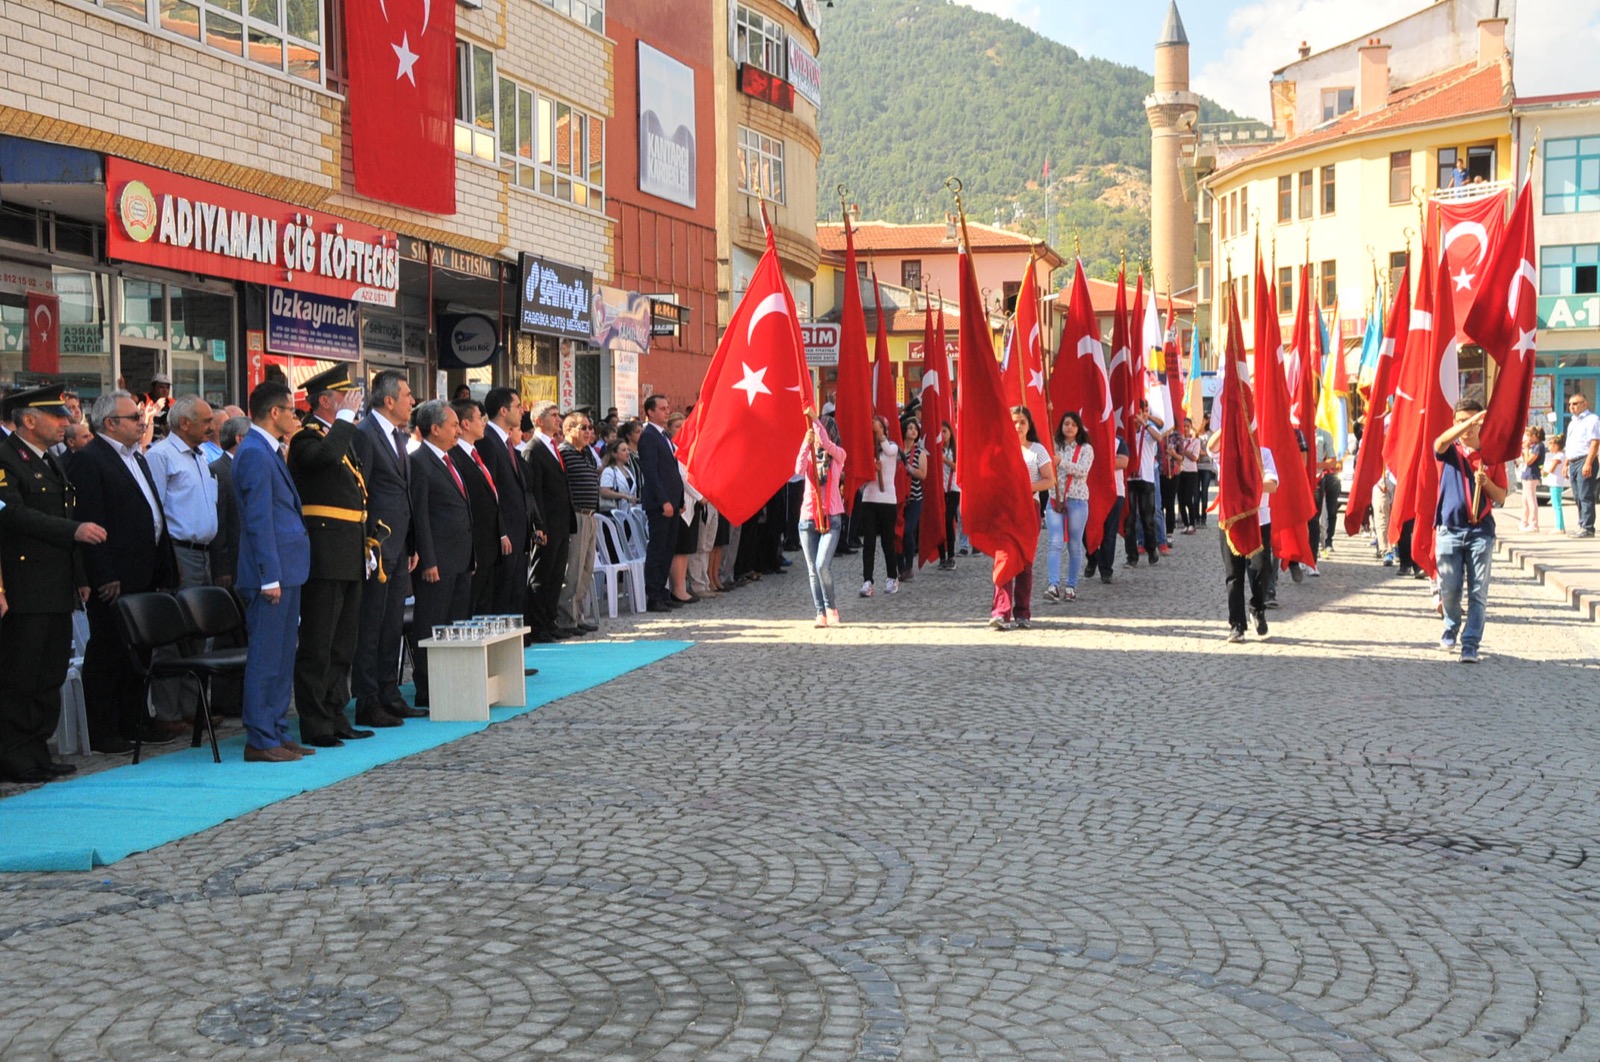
636,533
612,563
72,733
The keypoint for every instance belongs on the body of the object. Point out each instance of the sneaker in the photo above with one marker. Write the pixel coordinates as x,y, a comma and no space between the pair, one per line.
999,623
1272,602
908,573
1164,549
1133,562
1469,655
1389,559
1261,622
1447,645
892,586
822,620
1022,623
1106,577
1327,547
1236,634
1069,594
963,552
833,617
1052,593
1311,570
866,589
1297,573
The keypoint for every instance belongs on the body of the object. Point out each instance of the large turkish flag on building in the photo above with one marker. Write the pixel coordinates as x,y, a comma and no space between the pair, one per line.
1469,234
402,101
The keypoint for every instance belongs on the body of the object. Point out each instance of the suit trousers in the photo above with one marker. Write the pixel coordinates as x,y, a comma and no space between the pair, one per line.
1236,571
660,547
269,665
509,591
33,665
174,698
113,692
578,586
375,673
482,596
330,614
1105,558
439,603
1141,516
549,573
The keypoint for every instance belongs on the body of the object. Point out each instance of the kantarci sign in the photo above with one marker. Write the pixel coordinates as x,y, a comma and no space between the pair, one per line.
556,299
162,219
666,127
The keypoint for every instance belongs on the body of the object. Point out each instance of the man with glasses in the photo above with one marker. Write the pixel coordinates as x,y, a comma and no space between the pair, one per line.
1583,460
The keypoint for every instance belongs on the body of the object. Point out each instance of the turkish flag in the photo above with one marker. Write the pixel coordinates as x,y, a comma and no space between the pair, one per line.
1174,364
1369,458
1239,471
998,508
935,388
1469,235
1504,321
884,405
755,401
1442,389
44,333
1030,347
853,398
1120,368
402,96
1403,441
1079,382
1303,381
1292,504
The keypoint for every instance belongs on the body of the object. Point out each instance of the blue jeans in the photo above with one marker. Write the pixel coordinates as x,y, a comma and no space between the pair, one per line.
818,548
1074,519
1464,554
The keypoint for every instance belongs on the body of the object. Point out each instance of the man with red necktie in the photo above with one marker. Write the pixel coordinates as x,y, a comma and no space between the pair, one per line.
441,518
489,541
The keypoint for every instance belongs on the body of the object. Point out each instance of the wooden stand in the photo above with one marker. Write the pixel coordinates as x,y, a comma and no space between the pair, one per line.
466,679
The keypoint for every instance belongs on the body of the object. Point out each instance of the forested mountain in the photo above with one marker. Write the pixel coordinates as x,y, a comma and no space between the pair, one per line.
918,90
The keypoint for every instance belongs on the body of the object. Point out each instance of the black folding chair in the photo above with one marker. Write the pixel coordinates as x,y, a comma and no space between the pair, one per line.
150,621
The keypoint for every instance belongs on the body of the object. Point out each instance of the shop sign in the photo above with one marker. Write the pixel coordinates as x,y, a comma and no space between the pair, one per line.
82,339
757,83
164,219
805,72
666,316
567,384
312,326
822,344
625,382
16,279
466,341
1569,311
916,350
621,320
441,257
381,334
556,299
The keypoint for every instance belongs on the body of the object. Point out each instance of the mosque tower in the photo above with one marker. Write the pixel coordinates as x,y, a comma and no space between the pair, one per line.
1173,111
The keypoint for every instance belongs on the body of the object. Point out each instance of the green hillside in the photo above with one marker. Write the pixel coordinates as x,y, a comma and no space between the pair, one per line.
918,90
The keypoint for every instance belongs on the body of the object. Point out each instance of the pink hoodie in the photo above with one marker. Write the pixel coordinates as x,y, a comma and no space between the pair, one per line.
808,508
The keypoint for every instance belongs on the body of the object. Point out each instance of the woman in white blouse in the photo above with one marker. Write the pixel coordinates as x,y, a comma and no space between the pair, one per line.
1068,510
618,489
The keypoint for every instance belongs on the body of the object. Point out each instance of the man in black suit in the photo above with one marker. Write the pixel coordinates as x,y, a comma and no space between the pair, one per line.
442,525
380,449
547,483
519,516
42,580
489,540
117,491
662,498
333,506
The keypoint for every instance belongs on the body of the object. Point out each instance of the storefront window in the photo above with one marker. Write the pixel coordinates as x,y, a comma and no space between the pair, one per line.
202,331
142,313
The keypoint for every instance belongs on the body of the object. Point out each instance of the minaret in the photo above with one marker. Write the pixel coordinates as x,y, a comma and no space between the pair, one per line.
1173,111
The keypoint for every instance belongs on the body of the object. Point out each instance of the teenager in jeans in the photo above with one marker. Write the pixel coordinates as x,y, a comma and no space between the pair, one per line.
1469,489
1068,509
821,517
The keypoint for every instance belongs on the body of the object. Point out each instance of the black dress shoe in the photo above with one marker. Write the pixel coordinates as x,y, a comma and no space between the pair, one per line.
31,776
353,735
589,628
375,716
657,606
59,770
402,710
323,741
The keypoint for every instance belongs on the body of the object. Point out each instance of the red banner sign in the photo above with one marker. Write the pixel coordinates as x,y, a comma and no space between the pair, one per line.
44,333
164,219
754,81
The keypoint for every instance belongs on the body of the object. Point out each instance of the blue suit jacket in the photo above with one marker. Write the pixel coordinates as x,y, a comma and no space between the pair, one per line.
273,544
662,481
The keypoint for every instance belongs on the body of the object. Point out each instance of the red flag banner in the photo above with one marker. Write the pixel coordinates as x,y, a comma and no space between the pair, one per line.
884,405
1302,380
1292,504
1404,440
1239,471
935,388
1173,360
402,95
1438,413
1030,344
1078,382
1121,367
1504,321
44,333
998,509
853,401
755,401
1469,237
1369,458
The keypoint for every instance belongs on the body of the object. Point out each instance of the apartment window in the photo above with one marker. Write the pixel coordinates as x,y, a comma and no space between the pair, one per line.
1573,269
760,165
1009,292
1286,289
1480,163
759,41
1244,207
550,147
1245,285
1306,194
287,37
1222,218
1397,267
1572,175
1400,177
591,13
1337,101
474,101
1328,282
911,273
1285,199
1447,166
1328,198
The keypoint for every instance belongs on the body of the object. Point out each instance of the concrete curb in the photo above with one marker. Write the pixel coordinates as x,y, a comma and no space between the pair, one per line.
1575,578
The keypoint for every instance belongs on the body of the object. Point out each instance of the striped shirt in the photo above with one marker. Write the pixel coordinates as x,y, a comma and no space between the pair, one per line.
583,476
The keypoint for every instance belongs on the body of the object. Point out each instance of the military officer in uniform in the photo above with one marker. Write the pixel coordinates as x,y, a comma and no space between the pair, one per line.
333,498
43,580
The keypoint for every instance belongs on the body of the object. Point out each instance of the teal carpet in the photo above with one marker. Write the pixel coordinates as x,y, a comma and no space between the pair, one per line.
103,817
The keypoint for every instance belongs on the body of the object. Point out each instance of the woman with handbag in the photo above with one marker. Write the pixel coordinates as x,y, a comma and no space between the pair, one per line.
1068,510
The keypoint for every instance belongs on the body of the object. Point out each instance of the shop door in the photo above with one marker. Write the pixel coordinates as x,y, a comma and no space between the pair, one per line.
199,374
138,363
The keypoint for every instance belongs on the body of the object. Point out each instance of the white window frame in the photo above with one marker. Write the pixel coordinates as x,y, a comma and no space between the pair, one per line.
210,16
534,166
590,13
473,138
764,154
771,51
1337,101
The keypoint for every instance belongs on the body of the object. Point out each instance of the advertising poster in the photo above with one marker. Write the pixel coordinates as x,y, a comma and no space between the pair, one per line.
312,326
666,127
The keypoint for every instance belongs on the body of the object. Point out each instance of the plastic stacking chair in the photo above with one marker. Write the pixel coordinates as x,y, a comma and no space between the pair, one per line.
149,621
612,563
72,733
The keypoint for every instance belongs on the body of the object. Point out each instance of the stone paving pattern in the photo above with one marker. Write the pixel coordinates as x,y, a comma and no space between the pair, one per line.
1114,836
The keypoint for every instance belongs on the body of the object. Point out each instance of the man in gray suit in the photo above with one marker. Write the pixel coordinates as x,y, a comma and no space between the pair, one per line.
442,527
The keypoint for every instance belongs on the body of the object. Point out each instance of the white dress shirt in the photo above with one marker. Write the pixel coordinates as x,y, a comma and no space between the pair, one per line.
187,488
130,458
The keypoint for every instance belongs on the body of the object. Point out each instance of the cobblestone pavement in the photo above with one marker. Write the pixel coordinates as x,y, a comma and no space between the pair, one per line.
1114,836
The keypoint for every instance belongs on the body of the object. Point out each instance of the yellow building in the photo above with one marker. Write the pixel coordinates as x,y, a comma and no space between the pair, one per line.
1370,131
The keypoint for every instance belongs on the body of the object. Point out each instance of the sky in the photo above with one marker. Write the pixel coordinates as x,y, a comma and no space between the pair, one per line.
1235,45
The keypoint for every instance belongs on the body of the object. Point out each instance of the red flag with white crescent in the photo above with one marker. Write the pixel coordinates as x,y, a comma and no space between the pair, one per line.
402,100
935,390
1079,382
1369,458
1469,236
44,333
1504,321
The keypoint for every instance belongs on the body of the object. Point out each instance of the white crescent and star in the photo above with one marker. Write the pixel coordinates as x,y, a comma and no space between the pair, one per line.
403,54
42,310
1036,380
1524,273
753,383
1469,228
771,304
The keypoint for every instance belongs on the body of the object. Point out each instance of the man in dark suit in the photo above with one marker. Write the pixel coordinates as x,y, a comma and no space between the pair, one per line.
519,516
380,449
547,483
661,494
442,522
117,490
333,506
489,540
41,579
274,563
